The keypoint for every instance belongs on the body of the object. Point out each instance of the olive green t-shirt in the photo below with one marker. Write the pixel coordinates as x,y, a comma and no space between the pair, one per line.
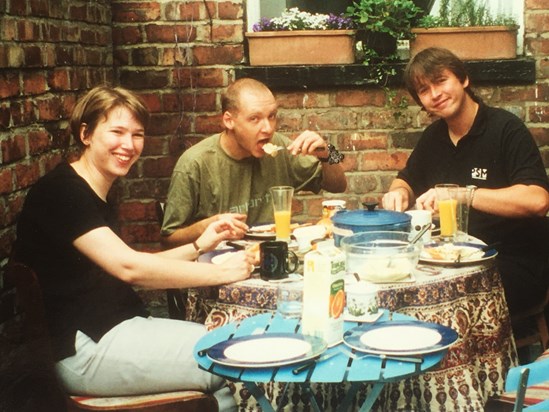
206,181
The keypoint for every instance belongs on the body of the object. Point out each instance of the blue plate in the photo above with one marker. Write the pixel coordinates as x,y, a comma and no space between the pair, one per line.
267,350
412,337
448,258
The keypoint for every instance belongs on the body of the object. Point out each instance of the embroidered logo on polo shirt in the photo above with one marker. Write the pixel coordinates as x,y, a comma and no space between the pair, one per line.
478,173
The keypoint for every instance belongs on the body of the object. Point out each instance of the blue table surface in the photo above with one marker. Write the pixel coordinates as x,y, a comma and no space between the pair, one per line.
340,368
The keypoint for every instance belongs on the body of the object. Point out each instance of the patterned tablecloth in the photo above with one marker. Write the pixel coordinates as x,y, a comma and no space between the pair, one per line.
468,299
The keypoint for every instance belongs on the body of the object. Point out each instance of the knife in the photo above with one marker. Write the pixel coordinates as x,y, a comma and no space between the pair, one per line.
309,364
484,249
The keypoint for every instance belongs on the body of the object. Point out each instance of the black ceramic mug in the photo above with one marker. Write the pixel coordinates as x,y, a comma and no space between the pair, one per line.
276,261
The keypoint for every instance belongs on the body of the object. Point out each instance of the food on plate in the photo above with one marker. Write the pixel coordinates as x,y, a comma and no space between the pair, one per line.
271,228
271,149
452,252
255,249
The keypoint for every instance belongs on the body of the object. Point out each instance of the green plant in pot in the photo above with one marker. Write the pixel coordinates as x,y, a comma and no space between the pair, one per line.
380,23
469,29
465,13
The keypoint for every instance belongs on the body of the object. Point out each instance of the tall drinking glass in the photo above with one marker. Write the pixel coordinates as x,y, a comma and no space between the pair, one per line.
463,199
282,206
446,199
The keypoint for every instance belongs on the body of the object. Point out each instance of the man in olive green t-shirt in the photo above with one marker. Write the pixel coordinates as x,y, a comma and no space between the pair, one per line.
228,175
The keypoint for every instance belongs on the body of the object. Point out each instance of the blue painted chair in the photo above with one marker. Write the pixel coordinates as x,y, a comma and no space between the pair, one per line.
526,388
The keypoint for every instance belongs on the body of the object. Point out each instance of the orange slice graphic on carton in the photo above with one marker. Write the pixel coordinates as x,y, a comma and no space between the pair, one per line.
337,303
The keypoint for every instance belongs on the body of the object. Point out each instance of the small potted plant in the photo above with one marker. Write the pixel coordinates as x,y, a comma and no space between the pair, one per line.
380,23
469,29
298,37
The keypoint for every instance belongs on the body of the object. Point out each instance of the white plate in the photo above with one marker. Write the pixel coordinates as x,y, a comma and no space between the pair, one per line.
268,350
472,253
222,257
400,337
262,232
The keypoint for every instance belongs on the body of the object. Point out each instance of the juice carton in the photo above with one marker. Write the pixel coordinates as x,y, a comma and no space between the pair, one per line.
323,292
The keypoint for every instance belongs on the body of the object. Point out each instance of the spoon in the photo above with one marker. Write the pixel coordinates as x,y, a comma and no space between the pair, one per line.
420,233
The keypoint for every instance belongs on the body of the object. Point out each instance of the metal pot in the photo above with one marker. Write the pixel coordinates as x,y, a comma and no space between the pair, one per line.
349,222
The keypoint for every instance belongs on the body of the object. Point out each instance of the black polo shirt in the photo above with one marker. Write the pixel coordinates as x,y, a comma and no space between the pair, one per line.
498,152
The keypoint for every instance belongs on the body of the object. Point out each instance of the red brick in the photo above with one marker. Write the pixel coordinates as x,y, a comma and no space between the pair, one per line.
198,102
198,77
13,149
302,100
359,98
208,124
364,141
136,211
331,120
164,123
127,35
383,160
34,83
155,146
153,101
38,7
49,108
227,33
26,175
143,79
23,113
33,56
39,141
58,80
139,233
229,54
541,135
135,12
190,11
536,23
5,116
170,33
535,4
230,11
160,167
10,84
28,31
6,180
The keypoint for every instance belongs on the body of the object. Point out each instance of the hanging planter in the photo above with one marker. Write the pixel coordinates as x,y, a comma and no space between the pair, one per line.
469,43
275,48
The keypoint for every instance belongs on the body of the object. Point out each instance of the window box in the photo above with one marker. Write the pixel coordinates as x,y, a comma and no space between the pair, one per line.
280,48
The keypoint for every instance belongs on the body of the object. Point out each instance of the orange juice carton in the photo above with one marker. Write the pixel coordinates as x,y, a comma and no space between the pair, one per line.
324,293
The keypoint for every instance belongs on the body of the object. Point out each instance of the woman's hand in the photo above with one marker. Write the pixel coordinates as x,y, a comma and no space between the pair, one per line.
225,228
238,266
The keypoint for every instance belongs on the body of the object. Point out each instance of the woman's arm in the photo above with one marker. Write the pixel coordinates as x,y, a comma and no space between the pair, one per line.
159,270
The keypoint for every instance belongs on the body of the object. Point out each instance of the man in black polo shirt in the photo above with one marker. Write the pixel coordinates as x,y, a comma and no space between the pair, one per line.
487,147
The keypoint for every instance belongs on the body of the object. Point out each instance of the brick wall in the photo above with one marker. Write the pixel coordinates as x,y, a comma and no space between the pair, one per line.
178,55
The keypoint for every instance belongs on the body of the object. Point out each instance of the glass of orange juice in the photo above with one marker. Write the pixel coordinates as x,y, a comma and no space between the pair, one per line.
282,205
447,209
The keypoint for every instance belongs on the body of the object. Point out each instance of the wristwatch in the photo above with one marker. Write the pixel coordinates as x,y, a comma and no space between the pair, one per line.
334,156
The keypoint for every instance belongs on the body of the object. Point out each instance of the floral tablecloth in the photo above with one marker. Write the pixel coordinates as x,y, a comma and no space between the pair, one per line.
468,299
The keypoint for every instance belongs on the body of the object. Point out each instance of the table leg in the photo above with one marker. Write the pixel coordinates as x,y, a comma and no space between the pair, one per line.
368,402
259,396
307,389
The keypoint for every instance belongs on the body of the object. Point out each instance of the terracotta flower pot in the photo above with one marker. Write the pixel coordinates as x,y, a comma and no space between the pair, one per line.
276,48
469,43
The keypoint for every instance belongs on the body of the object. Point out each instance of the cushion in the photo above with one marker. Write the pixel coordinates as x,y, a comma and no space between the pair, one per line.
137,400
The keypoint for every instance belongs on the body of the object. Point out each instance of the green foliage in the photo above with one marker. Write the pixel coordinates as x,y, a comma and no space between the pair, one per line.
465,13
394,17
